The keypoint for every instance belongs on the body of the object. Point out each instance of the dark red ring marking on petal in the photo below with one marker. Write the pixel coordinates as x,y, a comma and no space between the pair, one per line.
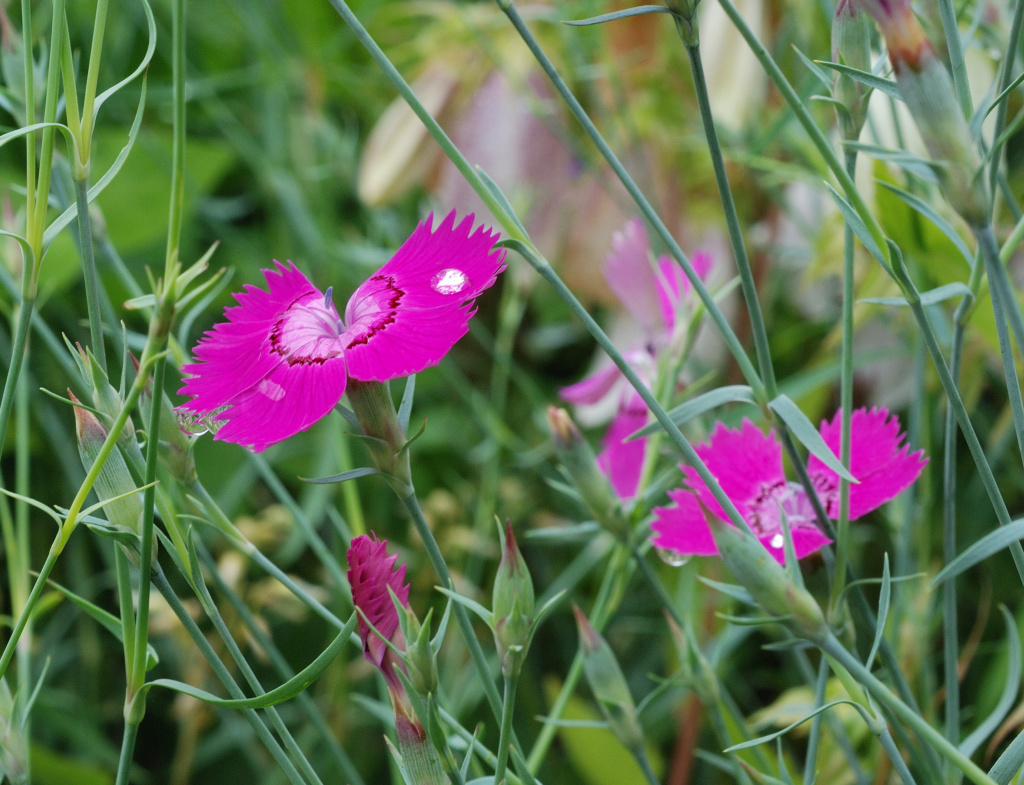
387,317
277,348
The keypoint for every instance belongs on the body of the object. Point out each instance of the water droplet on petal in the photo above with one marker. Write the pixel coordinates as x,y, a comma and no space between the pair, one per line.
672,558
449,281
778,541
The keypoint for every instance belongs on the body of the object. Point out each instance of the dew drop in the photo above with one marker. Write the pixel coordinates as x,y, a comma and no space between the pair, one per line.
778,541
672,558
449,281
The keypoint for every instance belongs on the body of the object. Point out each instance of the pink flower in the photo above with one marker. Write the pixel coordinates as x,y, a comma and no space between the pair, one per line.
370,572
283,357
748,465
652,295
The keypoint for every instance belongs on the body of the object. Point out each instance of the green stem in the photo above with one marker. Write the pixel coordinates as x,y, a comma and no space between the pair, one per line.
178,145
124,763
505,733
26,613
640,754
845,407
29,67
92,281
18,352
732,222
884,695
645,207
817,136
124,597
92,77
956,57
284,670
222,673
1005,78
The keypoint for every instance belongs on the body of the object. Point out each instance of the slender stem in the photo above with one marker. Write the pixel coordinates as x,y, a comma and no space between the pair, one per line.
124,763
92,77
845,406
1009,60
732,222
178,145
18,352
648,211
282,667
92,281
640,754
900,765
818,138
507,706
833,648
29,67
26,613
957,65
124,598
222,673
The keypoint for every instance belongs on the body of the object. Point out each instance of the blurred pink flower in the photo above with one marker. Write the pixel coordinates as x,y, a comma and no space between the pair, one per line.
282,359
370,572
651,294
748,465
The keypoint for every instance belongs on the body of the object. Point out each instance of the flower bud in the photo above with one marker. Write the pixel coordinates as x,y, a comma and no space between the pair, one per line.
512,603
114,478
420,657
13,750
767,580
928,92
176,446
580,464
609,685
385,438
851,45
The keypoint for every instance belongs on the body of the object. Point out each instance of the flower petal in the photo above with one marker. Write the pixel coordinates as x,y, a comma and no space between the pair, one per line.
592,388
879,459
629,273
621,461
746,462
237,353
409,314
370,572
289,399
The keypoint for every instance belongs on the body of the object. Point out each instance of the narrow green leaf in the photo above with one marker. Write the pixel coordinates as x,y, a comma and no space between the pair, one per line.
472,605
705,402
808,435
857,225
915,164
931,297
929,212
729,589
405,407
772,736
143,64
1011,687
823,77
106,619
621,14
286,691
71,213
990,544
884,597
351,474
880,83
1009,762
498,194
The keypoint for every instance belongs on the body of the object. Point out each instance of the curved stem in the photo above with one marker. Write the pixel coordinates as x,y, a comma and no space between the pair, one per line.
732,222
92,282
124,763
884,695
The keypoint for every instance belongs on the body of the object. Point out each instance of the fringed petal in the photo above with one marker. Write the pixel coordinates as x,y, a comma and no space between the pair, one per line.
622,461
409,314
879,459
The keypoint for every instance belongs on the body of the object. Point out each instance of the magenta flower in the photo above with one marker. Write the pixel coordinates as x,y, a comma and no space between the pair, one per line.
652,295
282,359
370,572
748,465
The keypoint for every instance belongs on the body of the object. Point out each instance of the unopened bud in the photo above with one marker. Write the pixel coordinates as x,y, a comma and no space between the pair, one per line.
851,45
512,603
176,446
420,657
581,465
766,580
114,479
609,685
927,90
